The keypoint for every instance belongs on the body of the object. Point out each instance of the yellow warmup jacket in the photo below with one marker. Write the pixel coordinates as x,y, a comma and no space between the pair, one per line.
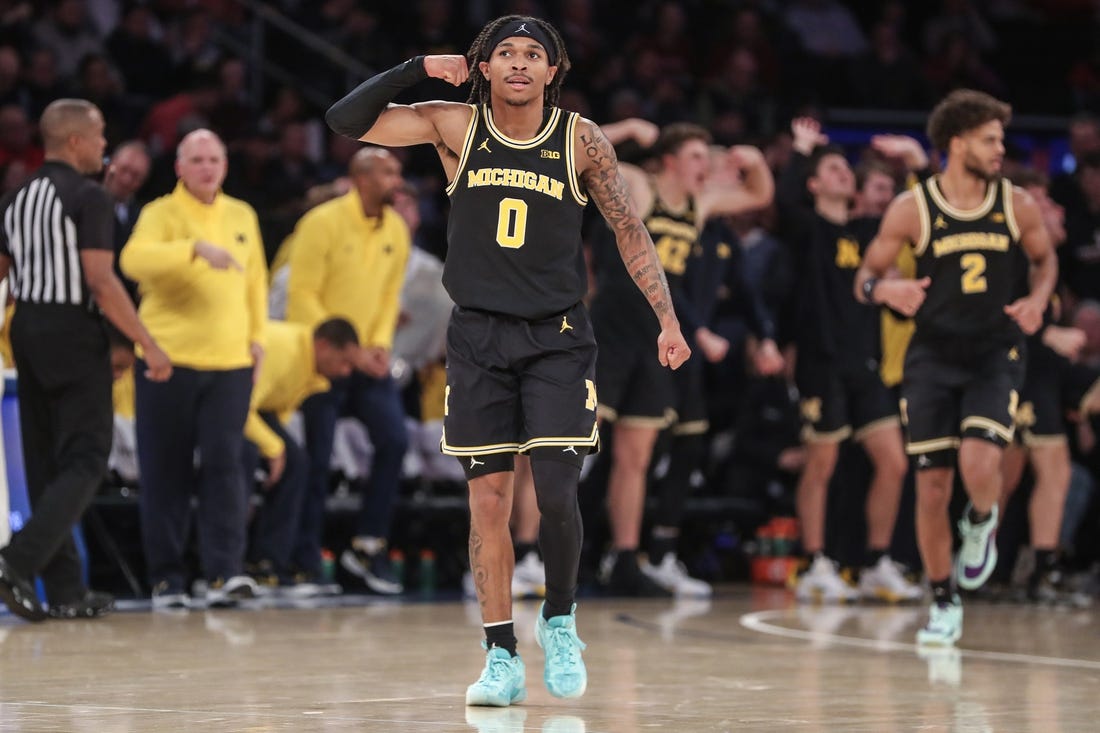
287,377
203,318
897,331
343,263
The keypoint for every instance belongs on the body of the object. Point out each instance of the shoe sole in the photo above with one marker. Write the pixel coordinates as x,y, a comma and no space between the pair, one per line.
7,595
376,584
487,703
937,641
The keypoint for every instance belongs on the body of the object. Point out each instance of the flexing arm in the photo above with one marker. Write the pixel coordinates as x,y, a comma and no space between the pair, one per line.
366,113
1028,311
599,170
755,192
900,225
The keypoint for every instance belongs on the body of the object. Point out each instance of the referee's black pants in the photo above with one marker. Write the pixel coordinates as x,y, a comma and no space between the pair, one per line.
193,409
66,421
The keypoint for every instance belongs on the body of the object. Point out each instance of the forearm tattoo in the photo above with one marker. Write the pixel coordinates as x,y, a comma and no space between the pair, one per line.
608,188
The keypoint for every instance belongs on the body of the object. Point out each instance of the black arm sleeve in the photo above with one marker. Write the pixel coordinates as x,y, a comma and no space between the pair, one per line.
356,113
796,207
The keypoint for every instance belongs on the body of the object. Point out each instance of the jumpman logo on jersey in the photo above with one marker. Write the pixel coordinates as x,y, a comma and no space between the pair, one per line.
565,325
940,223
571,449
484,146
475,462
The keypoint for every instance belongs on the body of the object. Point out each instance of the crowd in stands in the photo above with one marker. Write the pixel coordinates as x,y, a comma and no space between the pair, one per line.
161,69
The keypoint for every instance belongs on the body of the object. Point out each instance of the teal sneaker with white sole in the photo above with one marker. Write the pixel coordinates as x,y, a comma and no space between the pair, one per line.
503,682
564,672
945,624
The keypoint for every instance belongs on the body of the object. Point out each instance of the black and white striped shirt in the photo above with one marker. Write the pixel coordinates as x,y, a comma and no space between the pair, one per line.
43,226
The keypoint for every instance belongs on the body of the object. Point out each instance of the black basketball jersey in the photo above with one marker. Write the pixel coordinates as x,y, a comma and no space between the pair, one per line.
620,309
514,234
972,260
675,236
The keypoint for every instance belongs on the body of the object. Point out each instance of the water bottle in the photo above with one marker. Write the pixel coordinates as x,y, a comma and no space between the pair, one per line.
328,565
427,572
397,564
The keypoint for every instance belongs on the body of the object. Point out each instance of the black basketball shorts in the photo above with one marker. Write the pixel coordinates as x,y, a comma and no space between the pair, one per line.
514,385
841,401
1039,415
954,389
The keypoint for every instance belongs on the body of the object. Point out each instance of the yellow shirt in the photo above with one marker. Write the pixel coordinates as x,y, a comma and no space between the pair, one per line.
287,377
122,395
343,263
897,331
203,318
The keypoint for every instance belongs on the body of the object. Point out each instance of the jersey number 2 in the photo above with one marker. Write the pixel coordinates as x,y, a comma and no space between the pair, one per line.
973,277
512,223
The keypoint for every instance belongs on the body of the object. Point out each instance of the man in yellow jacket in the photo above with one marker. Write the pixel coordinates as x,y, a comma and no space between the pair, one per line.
299,362
198,260
348,259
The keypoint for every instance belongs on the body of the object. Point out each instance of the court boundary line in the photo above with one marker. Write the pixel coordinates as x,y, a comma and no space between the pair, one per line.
758,621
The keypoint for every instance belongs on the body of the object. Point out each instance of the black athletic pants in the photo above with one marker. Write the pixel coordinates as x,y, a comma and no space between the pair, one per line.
66,421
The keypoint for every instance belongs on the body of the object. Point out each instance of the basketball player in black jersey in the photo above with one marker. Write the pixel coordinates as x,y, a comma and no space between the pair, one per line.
640,401
965,362
520,350
842,394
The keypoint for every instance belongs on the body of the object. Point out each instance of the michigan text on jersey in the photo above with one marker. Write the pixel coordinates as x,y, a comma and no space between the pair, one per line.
968,241
516,178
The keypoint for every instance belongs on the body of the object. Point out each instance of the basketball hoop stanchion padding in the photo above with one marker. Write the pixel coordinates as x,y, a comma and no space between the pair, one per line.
15,506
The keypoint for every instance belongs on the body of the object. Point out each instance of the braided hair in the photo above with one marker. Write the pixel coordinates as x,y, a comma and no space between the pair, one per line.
480,50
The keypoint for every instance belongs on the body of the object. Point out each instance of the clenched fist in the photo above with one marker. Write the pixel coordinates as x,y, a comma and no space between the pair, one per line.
451,68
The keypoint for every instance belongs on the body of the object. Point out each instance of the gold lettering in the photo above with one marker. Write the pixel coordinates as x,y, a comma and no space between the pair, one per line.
516,178
969,241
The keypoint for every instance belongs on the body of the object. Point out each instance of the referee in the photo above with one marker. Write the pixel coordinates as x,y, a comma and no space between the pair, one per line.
56,244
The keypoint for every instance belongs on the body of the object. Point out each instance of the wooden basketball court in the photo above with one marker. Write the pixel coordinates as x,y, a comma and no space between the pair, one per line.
749,660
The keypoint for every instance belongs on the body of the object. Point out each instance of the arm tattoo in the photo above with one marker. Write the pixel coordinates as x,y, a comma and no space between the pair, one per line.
478,571
608,188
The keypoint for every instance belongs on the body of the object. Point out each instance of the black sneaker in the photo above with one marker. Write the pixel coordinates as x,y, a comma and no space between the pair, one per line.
263,572
627,579
18,594
93,605
374,570
229,593
168,597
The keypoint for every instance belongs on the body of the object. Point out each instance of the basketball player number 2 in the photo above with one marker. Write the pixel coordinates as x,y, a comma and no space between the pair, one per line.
512,223
973,277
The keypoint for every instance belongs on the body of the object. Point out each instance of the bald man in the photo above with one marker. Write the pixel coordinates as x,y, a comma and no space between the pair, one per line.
56,246
348,260
198,260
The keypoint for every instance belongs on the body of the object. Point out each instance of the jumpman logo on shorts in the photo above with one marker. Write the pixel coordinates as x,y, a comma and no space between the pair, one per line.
484,146
571,449
565,325
475,462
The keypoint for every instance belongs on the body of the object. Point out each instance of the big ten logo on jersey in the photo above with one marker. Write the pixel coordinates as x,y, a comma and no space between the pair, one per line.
551,154
674,253
847,253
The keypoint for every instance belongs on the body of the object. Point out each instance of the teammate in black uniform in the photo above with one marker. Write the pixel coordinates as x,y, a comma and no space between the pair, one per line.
1050,382
837,371
638,399
521,354
964,364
